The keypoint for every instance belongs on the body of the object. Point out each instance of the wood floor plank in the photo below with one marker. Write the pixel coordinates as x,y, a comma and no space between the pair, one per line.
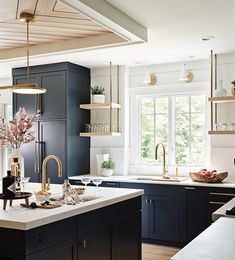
156,252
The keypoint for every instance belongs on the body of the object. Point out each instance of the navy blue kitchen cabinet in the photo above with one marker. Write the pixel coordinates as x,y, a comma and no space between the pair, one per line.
111,184
59,118
161,213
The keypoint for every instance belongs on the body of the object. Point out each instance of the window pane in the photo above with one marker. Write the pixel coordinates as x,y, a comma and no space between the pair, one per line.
182,122
161,105
147,146
198,156
147,106
182,138
198,104
147,123
198,121
182,104
182,154
198,139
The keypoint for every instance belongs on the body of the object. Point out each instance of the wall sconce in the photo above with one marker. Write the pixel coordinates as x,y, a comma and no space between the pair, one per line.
186,76
149,78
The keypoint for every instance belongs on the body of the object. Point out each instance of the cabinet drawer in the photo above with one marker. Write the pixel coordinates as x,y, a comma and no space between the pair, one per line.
47,235
154,189
218,195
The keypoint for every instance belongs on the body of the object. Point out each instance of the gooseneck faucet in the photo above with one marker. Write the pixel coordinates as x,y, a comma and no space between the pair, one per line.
44,170
164,170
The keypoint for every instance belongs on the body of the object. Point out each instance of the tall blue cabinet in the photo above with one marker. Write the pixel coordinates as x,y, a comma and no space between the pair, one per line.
60,120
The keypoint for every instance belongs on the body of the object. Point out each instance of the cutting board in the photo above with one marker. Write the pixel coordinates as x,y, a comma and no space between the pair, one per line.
51,206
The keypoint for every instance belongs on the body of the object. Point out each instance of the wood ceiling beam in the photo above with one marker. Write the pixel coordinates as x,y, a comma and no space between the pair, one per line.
110,17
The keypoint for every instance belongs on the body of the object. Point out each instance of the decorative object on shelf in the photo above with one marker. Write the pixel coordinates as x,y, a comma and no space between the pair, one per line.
208,176
149,78
16,133
100,158
108,167
233,88
98,96
221,91
186,76
28,88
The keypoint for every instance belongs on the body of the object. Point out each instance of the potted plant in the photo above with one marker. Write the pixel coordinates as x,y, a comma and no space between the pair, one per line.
98,95
108,167
233,87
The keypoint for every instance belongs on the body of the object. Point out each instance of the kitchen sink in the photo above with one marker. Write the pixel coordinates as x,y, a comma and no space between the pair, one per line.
160,178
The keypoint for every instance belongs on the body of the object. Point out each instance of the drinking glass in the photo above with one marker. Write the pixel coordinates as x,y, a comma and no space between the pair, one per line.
97,182
86,180
23,181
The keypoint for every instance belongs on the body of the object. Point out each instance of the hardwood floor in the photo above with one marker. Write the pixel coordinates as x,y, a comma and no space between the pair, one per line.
156,252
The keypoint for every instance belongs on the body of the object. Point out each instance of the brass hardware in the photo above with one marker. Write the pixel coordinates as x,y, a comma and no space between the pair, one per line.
48,183
150,201
153,79
189,77
217,202
44,163
111,183
189,188
35,157
222,194
164,170
38,158
146,201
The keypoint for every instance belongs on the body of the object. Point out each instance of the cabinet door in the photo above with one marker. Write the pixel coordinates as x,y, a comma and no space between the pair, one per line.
191,213
31,155
165,218
96,244
61,251
52,138
26,101
145,216
127,243
53,104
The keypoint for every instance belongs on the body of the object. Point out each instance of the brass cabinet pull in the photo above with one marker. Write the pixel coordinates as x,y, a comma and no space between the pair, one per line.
35,157
217,202
189,188
222,194
146,201
111,183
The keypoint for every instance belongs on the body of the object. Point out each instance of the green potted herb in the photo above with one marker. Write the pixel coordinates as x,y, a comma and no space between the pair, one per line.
98,95
108,167
233,87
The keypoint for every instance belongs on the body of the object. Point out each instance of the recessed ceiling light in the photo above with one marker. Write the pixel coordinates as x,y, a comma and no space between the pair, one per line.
207,38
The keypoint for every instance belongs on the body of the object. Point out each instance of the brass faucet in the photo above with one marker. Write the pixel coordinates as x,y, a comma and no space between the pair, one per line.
164,170
44,170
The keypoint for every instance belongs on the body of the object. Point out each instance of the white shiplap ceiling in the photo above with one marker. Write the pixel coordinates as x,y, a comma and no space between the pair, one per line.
174,31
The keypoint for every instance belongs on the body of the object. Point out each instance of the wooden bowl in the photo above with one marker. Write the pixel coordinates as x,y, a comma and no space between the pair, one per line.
218,177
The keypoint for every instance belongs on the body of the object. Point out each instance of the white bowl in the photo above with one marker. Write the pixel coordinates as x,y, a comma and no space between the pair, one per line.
41,198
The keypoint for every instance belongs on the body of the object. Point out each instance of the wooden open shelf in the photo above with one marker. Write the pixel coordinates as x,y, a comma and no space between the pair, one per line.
225,99
100,134
221,132
100,106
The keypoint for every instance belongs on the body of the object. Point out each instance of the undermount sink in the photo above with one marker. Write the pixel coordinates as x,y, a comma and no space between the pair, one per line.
160,178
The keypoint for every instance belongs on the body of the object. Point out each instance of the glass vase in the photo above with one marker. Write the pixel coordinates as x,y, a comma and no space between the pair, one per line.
16,154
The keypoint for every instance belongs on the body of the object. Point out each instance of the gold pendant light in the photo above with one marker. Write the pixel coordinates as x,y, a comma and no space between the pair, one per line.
28,88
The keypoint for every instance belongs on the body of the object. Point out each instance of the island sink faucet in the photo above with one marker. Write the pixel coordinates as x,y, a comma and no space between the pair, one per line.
164,170
44,170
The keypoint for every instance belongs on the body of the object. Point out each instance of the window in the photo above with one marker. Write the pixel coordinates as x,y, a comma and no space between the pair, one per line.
178,121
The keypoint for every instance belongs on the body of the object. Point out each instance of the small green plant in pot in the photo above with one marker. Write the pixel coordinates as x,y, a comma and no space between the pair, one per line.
233,87
108,167
98,95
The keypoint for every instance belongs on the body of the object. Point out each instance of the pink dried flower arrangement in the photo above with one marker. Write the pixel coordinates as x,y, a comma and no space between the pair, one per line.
17,131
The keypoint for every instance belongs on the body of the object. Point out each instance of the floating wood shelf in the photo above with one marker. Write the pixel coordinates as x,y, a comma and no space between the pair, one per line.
225,99
100,134
221,132
100,106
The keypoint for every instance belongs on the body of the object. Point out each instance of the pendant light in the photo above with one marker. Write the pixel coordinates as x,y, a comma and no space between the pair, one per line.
28,88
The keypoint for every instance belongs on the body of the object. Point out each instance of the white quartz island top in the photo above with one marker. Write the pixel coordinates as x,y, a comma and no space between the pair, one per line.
185,180
17,217
215,243
221,212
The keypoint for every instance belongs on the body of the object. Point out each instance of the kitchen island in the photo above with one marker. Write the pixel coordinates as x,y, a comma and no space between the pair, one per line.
108,227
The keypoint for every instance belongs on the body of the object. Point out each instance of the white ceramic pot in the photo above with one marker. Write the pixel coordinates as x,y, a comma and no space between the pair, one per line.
98,99
100,158
107,172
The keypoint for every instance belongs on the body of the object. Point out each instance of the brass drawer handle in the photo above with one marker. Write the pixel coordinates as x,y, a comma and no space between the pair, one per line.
189,188
217,202
111,183
222,194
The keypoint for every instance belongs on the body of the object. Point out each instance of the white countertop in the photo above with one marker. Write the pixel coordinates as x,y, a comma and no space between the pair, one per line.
221,212
17,217
133,179
215,243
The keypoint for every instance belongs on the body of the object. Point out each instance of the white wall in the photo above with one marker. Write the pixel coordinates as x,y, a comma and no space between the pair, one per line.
221,148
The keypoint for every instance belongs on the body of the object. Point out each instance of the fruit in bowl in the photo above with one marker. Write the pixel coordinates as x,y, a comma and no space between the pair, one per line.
207,173
208,176
42,195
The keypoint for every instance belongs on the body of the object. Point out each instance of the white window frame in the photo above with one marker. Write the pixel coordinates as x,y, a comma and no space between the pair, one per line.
136,166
